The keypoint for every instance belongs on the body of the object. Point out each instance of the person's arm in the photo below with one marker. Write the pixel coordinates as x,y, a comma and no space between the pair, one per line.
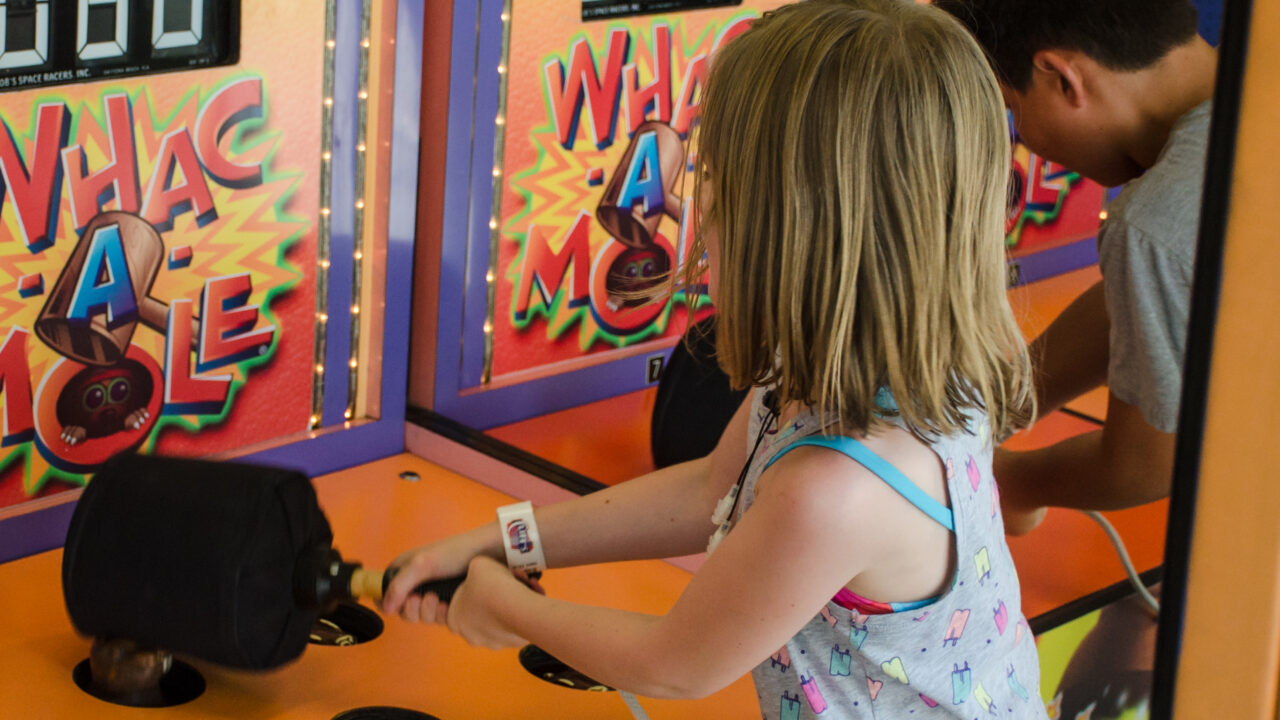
1126,463
782,561
666,513
1143,304
1070,356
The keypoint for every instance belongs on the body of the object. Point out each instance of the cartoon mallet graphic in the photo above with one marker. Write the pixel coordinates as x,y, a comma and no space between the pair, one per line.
105,291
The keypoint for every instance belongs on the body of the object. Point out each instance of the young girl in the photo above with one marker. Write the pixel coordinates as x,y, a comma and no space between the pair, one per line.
855,156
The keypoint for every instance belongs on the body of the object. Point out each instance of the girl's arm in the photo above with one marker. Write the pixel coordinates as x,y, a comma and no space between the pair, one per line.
665,513
782,562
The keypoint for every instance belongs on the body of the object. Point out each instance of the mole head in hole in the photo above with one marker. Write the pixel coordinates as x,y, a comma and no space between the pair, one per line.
635,270
100,401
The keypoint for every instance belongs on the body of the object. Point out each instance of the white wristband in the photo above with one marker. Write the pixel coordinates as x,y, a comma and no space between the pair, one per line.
520,537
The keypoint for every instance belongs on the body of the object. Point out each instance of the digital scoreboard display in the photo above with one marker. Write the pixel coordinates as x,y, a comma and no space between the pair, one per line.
602,9
51,42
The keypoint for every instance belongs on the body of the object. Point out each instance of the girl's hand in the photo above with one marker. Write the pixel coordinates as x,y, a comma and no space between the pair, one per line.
429,562
473,615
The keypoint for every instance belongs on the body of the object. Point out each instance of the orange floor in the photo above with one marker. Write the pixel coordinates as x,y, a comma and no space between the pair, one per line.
374,515
607,440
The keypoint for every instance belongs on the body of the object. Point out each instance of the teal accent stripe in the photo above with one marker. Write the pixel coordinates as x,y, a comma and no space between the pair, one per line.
909,606
882,469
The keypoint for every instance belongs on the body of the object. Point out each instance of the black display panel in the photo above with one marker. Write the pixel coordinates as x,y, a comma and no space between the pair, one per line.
600,9
52,42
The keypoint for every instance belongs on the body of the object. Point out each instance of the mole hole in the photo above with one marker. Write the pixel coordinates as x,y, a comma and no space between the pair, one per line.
348,624
547,668
383,712
182,683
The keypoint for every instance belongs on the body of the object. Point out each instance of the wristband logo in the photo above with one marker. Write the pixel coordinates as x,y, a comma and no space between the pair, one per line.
518,535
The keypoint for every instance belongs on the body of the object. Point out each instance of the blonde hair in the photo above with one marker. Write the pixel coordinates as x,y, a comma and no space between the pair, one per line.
857,154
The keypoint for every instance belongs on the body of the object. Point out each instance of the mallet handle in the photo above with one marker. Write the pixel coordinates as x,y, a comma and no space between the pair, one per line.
372,584
155,315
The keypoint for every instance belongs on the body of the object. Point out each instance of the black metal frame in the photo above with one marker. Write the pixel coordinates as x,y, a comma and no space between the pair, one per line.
505,452
1206,289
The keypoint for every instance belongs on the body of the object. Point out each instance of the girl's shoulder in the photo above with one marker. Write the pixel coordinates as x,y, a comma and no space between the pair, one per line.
811,448
835,479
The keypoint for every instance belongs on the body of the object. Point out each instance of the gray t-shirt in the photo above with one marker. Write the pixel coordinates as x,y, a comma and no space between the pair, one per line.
1147,249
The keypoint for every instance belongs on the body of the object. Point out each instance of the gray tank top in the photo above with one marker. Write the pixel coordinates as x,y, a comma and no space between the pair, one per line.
967,654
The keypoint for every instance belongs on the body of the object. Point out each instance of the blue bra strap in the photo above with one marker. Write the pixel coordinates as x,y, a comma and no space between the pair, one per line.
882,469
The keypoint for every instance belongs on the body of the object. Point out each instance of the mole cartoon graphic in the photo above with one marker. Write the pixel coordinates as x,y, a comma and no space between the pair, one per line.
634,271
100,401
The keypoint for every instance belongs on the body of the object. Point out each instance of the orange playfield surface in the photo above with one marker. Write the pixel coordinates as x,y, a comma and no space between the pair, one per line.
375,515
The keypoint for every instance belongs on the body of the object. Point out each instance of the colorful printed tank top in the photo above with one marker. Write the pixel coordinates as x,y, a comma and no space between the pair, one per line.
967,654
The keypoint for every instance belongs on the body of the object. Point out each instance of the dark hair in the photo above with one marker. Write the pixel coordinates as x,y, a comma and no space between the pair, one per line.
1120,34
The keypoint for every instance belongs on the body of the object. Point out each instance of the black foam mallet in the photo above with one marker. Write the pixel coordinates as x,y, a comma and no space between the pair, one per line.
226,562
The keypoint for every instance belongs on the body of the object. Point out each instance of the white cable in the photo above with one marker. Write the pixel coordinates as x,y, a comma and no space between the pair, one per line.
633,705
1152,604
